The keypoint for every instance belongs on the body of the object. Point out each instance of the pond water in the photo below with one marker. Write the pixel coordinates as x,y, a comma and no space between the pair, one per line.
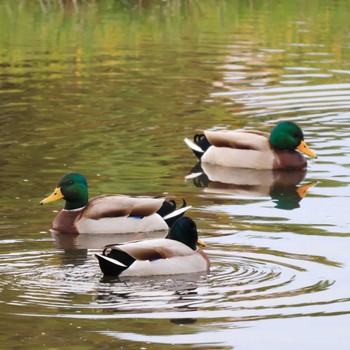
110,89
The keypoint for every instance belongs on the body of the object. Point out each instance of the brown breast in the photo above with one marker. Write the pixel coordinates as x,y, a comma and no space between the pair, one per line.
65,221
289,160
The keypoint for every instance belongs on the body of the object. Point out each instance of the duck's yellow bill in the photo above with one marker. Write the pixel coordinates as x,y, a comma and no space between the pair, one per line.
304,148
54,196
200,243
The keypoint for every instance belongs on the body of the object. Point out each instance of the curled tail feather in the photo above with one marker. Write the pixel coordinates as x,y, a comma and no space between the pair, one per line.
170,213
199,144
114,262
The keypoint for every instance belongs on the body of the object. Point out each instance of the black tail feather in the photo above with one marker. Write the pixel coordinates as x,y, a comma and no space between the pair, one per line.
170,221
167,208
201,141
119,255
114,269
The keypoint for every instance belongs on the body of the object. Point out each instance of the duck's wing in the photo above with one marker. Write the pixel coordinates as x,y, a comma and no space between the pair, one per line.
248,140
118,205
151,249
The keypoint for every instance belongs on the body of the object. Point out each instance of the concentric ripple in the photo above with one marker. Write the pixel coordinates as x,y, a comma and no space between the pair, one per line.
241,284
248,279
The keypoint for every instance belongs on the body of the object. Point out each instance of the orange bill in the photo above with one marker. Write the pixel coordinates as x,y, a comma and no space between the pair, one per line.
54,196
200,243
304,148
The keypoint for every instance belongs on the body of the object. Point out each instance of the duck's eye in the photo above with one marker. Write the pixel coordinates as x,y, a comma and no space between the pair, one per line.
70,183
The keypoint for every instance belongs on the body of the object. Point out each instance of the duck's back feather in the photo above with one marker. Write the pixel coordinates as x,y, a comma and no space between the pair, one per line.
250,140
154,248
118,205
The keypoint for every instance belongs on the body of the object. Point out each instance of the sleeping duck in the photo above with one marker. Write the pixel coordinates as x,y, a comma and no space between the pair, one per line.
109,213
253,149
177,253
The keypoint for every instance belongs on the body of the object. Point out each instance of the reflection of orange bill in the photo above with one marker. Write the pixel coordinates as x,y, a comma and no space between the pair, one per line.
302,190
304,148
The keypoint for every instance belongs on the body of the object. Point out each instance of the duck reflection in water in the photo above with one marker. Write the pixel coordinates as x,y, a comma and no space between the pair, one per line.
177,292
281,186
98,240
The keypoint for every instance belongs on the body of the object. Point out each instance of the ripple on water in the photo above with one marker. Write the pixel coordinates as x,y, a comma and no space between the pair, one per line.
241,284
320,98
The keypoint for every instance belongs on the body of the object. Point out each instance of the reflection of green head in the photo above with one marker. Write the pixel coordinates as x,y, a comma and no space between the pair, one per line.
184,230
286,136
286,198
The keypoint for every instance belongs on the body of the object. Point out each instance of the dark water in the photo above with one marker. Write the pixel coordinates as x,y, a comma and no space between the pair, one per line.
110,89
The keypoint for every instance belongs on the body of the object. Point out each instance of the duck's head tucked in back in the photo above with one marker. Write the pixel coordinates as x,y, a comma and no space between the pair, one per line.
184,230
175,254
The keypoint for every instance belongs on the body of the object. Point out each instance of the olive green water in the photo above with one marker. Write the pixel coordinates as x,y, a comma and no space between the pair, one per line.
110,89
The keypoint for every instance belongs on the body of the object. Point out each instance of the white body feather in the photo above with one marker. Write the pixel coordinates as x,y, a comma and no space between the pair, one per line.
170,266
122,224
232,157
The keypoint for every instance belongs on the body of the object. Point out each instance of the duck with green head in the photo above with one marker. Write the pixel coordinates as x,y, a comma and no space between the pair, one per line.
109,213
177,253
253,149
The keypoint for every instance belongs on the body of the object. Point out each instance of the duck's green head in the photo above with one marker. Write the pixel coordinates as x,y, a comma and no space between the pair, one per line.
73,189
288,136
184,230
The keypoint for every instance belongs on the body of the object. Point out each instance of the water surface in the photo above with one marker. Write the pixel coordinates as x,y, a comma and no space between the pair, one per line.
110,89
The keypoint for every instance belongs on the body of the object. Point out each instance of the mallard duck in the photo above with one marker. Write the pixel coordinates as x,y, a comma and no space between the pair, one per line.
253,149
109,213
177,253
